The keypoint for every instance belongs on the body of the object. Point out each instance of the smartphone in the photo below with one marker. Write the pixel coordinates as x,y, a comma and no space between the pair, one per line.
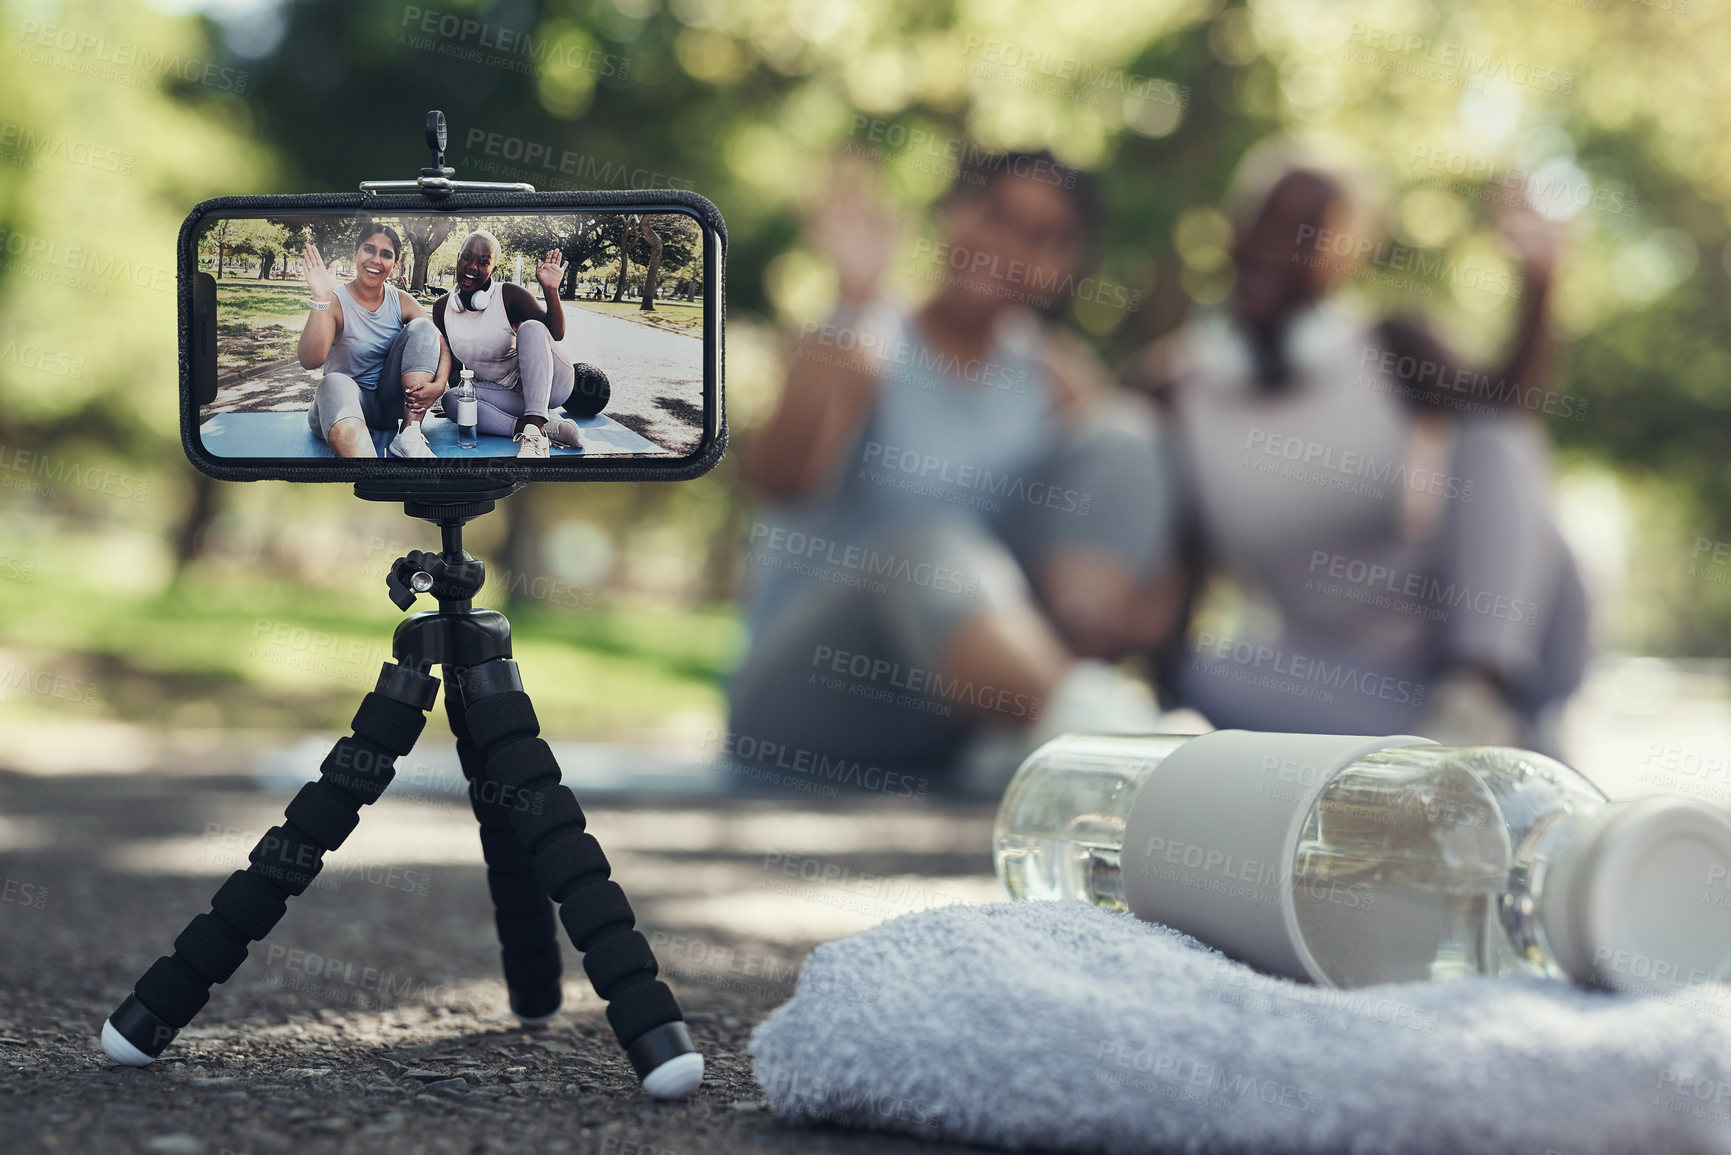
355,337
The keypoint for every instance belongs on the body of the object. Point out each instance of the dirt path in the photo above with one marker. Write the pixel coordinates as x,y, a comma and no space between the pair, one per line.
657,375
371,1021
281,387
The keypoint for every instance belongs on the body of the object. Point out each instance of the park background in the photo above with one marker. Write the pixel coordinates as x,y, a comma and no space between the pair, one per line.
177,654
148,615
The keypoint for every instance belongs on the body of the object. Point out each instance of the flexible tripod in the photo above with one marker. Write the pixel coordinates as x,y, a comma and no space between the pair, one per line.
532,835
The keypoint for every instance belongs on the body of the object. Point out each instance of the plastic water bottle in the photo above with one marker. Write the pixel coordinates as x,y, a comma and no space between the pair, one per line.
468,410
1350,861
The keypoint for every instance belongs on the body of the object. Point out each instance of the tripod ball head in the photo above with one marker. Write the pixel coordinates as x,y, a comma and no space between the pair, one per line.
420,572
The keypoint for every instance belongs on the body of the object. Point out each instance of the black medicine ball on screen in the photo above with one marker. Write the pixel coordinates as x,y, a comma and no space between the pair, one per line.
590,394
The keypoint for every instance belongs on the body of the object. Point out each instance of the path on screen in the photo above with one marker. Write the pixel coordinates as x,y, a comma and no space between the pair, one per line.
656,376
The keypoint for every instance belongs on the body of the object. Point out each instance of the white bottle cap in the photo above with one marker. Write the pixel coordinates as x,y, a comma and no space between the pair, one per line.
1211,835
1640,896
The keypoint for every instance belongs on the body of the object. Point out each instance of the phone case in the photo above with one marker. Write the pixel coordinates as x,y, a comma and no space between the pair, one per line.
459,472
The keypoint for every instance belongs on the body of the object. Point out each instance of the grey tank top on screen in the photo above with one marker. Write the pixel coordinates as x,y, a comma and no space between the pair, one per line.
943,438
367,336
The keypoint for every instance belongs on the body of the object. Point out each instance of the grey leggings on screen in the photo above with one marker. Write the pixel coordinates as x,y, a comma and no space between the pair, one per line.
801,688
544,379
414,350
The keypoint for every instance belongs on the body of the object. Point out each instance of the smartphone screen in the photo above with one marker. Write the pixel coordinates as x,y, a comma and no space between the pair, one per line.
540,336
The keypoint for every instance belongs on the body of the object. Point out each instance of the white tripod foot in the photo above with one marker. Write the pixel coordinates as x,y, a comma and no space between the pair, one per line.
676,1078
515,1000
121,1051
538,1020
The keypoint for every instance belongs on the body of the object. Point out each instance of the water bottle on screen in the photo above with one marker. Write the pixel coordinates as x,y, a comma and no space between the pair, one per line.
468,410
1351,860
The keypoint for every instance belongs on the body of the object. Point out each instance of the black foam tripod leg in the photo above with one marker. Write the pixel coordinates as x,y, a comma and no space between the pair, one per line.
574,871
284,864
528,932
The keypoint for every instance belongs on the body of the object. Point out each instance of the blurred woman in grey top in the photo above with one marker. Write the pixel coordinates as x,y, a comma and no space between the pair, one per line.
1384,509
964,526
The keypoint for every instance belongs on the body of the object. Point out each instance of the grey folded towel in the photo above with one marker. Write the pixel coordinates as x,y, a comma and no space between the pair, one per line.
1061,1026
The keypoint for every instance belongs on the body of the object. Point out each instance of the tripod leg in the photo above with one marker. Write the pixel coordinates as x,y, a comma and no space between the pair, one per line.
528,933
573,870
284,864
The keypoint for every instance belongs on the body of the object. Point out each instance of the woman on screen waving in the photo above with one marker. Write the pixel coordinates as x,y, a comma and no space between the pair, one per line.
512,343
383,360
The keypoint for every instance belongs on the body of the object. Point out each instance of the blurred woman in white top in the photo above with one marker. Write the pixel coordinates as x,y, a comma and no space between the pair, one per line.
1384,509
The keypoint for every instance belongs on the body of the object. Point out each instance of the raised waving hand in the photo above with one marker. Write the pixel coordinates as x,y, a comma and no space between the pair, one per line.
320,282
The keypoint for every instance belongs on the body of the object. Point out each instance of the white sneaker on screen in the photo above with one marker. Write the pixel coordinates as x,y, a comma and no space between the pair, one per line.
564,431
411,442
531,442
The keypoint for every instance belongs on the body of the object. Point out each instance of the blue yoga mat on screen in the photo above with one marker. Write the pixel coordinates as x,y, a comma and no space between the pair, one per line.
287,435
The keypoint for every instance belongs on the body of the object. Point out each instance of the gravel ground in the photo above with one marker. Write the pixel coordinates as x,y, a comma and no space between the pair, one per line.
372,1019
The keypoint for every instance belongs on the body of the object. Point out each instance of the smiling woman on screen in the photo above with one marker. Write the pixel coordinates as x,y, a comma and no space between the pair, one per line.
383,360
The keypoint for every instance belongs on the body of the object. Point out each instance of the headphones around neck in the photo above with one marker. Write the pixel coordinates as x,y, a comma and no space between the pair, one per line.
478,300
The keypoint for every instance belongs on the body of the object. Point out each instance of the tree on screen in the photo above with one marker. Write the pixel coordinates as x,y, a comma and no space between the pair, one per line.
424,235
668,239
626,229
292,238
582,238
652,267
233,238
